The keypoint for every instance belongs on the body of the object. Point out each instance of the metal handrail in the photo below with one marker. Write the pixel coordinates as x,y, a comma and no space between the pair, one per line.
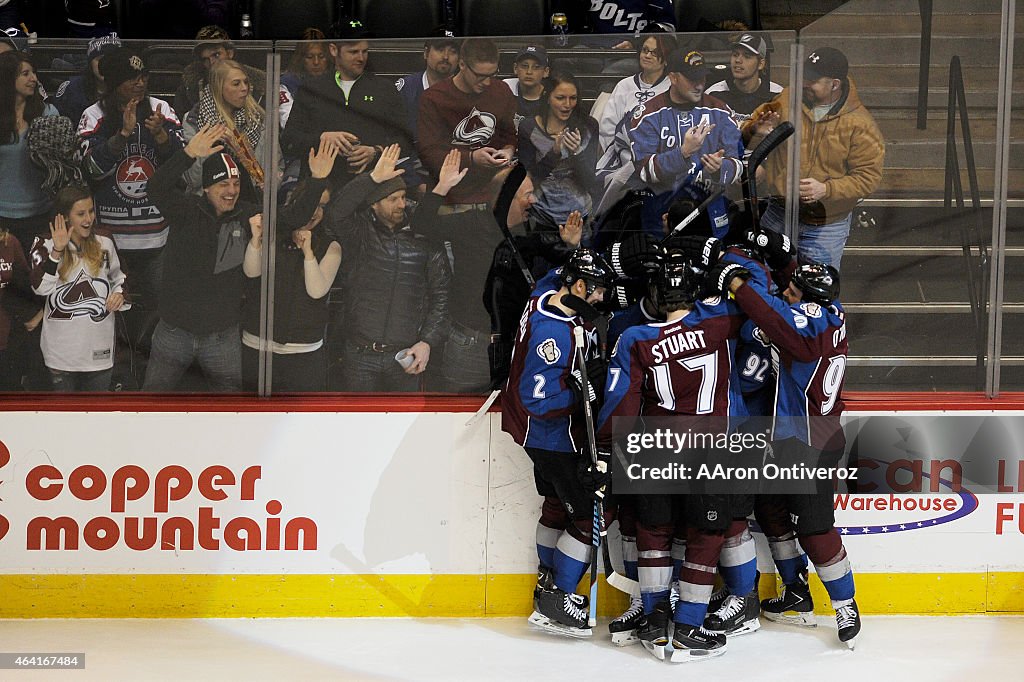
977,294
924,67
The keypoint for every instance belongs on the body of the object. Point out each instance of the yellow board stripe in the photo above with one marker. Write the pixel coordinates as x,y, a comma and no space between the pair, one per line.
455,596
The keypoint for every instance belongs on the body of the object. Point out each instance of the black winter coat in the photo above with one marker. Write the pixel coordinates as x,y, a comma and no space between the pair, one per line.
394,282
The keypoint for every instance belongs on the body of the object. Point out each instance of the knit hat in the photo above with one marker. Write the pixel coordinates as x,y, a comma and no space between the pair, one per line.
102,45
219,167
384,189
120,65
53,146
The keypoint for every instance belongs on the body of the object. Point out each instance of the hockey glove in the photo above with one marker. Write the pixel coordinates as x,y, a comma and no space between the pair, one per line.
722,274
624,294
776,248
594,477
633,255
575,383
703,251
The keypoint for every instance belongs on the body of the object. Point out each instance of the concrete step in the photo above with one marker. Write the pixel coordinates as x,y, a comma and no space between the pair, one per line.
880,24
905,76
904,48
925,280
926,183
913,7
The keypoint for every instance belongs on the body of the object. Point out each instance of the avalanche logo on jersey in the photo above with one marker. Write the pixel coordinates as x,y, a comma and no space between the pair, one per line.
83,296
548,351
476,129
133,176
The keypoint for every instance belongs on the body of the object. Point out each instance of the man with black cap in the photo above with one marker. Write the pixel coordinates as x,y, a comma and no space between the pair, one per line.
441,56
684,141
747,86
359,112
126,136
215,239
842,152
395,291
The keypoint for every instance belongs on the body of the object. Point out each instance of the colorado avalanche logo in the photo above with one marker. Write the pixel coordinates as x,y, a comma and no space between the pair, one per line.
133,176
83,296
476,129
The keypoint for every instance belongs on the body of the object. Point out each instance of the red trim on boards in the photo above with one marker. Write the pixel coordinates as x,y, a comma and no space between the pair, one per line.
856,401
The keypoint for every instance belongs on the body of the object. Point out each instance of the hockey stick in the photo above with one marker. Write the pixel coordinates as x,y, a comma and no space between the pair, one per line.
696,212
590,314
770,142
597,526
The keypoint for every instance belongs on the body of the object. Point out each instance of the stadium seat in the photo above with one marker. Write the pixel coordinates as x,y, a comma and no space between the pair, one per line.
286,19
399,18
689,13
504,18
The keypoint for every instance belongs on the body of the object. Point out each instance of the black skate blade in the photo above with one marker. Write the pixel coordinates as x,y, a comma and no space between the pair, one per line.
545,624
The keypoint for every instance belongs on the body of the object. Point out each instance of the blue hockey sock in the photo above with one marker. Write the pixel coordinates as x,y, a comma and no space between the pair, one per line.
789,558
738,563
571,560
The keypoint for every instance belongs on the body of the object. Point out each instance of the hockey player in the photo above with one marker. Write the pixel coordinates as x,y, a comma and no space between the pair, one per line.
538,404
681,366
683,139
808,332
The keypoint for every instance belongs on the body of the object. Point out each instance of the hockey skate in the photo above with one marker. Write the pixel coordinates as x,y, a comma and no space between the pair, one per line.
545,581
736,616
692,643
652,630
561,613
624,627
793,607
848,620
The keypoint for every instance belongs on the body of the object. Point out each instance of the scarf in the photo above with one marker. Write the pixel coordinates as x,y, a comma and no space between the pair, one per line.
243,138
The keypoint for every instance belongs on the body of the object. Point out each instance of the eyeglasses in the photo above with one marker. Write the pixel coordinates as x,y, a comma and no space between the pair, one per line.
649,52
482,76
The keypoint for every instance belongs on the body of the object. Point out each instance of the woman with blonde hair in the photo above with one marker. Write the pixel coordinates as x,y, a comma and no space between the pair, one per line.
228,99
79,273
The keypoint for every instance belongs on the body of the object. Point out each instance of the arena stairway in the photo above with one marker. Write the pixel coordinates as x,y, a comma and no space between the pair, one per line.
905,276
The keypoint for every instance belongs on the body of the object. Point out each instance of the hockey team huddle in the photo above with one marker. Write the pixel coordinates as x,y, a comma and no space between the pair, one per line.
768,338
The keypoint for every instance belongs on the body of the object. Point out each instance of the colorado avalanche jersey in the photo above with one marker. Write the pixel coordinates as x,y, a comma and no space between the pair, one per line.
656,135
78,330
809,342
679,367
537,403
630,317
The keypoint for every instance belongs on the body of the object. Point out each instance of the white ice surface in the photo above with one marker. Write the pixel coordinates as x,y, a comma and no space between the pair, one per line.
973,648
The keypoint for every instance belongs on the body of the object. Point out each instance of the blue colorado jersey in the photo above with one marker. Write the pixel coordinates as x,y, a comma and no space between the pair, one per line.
630,317
537,404
656,135
809,347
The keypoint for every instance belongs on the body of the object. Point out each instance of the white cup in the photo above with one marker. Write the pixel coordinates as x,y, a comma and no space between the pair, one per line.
404,358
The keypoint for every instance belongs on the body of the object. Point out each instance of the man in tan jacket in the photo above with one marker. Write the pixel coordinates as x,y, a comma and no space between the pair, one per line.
841,157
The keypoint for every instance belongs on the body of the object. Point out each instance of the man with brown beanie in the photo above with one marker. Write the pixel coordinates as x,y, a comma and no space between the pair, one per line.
395,291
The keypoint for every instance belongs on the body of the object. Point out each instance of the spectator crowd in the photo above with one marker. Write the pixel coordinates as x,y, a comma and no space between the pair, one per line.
413,218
